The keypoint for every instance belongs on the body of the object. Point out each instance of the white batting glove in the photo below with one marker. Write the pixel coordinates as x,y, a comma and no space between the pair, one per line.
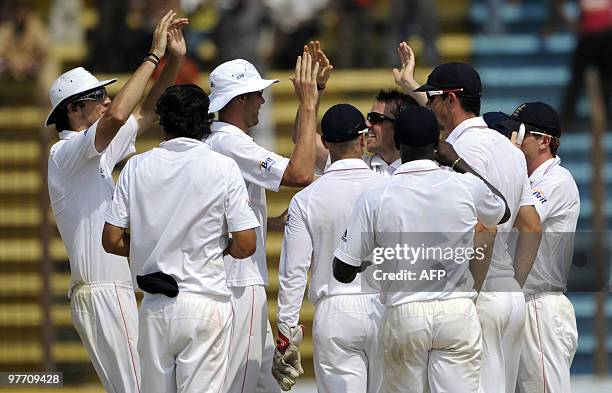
286,365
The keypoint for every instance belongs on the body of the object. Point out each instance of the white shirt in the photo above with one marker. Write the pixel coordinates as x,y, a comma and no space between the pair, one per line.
558,203
375,163
180,200
492,155
318,215
423,206
262,170
80,185
380,166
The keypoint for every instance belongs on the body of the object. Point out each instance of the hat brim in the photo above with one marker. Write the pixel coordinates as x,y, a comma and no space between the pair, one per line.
426,87
506,127
51,117
218,100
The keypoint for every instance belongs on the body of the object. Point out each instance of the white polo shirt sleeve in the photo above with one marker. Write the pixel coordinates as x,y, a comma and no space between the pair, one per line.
527,196
295,260
238,212
122,144
489,208
118,210
257,164
76,150
359,239
470,151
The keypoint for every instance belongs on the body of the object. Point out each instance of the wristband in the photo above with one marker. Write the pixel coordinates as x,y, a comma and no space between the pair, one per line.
155,63
154,55
455,163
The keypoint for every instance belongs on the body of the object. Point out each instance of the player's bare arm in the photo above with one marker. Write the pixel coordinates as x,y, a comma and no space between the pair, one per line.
242,244
325,69
116,240
484,239
175,55
300,171
530,233
404,76
131,93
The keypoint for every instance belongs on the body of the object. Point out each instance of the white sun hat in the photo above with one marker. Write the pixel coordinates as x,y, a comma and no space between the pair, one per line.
66,86
232,79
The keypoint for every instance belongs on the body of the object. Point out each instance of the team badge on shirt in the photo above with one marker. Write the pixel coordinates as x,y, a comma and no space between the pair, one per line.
267,163
539,195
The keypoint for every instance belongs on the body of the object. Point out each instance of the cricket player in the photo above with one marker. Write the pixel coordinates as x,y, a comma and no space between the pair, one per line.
236,95
453,93
345,360
383,157
95,134
179,202
550,327
431,333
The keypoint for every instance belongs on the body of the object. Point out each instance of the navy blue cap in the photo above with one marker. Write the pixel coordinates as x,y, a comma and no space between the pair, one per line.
454,75
501,122
342,123
538,116
416,126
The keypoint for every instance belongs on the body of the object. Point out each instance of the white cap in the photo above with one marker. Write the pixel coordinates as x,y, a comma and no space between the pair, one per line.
232,79
76,81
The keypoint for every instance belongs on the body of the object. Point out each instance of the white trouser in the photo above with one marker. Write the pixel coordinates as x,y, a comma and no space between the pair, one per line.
252,344
501,309
550,344
347,357
106,317
432,346
184,343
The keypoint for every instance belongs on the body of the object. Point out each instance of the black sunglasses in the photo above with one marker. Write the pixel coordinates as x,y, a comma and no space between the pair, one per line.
377,118
96,95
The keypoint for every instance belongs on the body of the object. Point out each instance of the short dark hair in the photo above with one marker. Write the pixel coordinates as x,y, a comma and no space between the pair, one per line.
554,145
61,120
470,104
183,111
394,96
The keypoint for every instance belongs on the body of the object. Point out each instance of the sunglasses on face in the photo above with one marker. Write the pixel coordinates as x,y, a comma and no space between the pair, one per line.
431,94
96,95
377,118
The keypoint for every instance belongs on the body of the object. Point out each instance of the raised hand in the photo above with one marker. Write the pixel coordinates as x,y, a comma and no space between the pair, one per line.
404,76
160,35
176,41
325,67
305,80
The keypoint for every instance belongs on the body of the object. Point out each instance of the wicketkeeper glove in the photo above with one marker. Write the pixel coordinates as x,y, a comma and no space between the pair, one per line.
286,365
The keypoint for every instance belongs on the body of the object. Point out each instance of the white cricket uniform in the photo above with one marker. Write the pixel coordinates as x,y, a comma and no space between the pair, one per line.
550,328
345,360
252,344
180,200
375,163
102,302
500,305
379,165
431,333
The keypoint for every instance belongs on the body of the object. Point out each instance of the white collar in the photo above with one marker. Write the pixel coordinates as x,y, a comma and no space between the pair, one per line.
417,166
221,126
347,163
474,122
376,160
67,134
544,167
181,144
